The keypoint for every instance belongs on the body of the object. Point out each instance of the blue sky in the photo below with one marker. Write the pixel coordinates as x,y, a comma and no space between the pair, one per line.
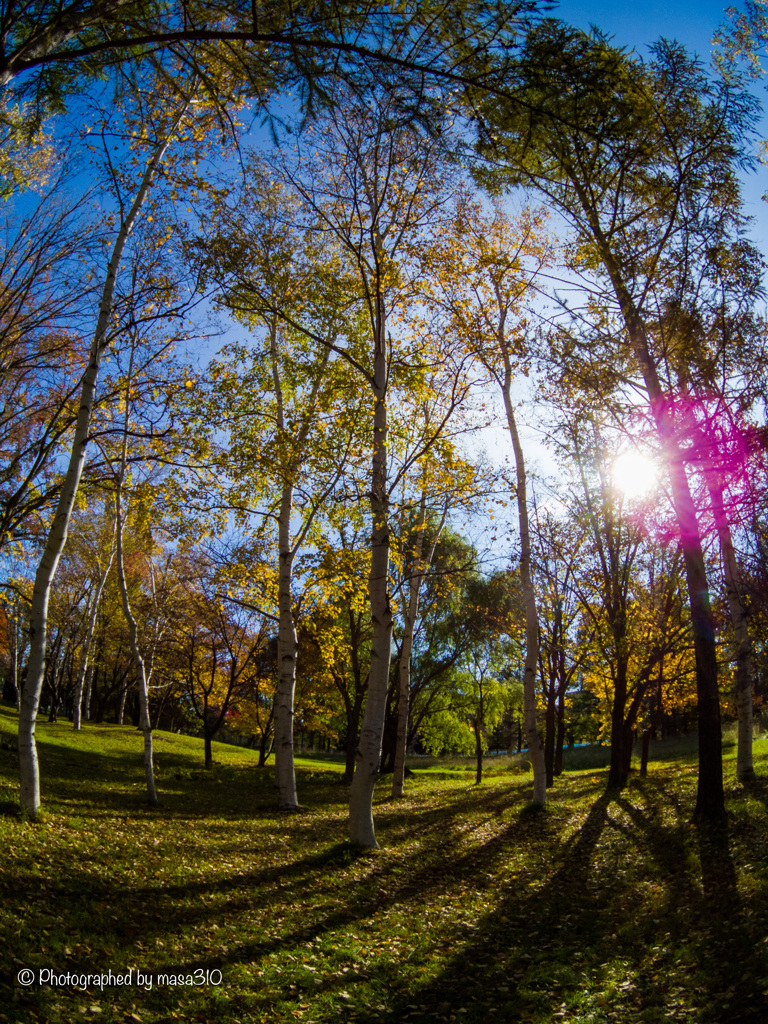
637,24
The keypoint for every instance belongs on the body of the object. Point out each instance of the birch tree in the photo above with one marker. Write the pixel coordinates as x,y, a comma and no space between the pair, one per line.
373,183
144,666
290,439
490,264
150,151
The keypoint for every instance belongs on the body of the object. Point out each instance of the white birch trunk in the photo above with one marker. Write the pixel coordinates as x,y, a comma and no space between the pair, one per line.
368,754
535,748
87,693
29,768
287,647
133,631
144,724
287,642
84,679
121,705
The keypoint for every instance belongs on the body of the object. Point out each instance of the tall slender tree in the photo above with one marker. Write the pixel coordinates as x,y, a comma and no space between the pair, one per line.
149,154
371,177
289,437
490,264
642,161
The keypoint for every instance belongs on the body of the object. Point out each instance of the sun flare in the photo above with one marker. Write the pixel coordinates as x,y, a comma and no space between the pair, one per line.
634,475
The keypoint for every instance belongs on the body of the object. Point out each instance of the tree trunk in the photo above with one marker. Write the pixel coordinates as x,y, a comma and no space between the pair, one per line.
265,748
143,683
558,769
121,706
287,646
207,747
84,679
368,755
55,672
287,642
349,757
29,768
90,681
133,632
549,735
478,752
743,691
535,749
389,735
710,798
617,775
354,711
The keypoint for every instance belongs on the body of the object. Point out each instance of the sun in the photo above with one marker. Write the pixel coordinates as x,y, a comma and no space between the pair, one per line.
634,475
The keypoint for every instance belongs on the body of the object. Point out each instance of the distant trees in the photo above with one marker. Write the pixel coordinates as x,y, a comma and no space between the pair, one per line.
558,554
217,657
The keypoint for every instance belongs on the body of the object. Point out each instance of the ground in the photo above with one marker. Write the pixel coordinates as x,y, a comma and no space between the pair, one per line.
605,907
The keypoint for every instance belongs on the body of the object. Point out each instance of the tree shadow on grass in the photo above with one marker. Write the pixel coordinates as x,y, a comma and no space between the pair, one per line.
717,939
113,781
519,959
641,921
140,915
756,787
611,916
10,809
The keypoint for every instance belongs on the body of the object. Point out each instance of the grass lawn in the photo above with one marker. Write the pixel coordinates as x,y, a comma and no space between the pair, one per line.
604,908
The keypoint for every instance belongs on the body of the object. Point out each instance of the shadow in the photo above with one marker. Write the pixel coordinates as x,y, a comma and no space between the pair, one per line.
640,916
10,809
757,788
604,911
521,957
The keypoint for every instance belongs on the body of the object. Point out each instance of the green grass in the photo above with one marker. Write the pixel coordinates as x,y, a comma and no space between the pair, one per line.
604,908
